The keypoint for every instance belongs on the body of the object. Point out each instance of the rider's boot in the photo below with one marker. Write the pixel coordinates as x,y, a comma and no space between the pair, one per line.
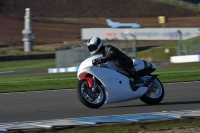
135,80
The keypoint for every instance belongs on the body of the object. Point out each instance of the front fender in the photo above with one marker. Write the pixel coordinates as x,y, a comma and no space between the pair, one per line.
87,74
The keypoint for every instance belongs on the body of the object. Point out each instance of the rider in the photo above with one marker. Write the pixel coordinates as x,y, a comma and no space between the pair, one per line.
111,53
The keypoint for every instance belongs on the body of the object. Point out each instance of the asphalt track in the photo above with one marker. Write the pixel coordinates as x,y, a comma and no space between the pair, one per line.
47,105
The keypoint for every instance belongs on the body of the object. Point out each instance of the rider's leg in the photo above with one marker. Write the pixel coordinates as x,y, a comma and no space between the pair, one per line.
133,74
127,64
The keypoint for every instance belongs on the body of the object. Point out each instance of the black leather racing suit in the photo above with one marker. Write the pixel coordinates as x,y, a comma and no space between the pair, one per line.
111,53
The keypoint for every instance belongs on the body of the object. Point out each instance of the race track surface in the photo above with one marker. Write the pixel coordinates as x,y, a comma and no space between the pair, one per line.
47,105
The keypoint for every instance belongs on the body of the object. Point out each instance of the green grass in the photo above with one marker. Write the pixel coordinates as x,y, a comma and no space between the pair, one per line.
39,82
27,64
179,75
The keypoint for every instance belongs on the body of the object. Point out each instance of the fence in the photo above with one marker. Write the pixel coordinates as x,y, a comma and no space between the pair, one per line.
193,45
148,50
73,57
187,47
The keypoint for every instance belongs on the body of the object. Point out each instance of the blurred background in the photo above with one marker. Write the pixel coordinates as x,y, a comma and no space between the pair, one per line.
57,28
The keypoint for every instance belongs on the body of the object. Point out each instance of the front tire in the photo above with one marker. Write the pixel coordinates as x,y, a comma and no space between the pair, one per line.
88,98
155,92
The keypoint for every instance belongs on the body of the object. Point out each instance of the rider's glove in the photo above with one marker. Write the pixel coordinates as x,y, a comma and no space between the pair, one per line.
96,61
99,61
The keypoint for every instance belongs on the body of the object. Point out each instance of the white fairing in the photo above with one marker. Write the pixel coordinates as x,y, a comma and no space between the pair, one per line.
117,86
141,64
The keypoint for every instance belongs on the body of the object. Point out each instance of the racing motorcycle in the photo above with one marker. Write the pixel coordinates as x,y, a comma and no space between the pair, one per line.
105,83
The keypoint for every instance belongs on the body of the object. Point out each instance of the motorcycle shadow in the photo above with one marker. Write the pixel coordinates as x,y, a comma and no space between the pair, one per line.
125,106
179,103
160,104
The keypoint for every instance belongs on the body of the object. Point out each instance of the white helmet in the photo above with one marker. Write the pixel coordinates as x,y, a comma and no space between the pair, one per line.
94,44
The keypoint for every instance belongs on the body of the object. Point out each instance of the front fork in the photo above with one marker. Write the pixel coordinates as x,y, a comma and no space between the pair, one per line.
91,82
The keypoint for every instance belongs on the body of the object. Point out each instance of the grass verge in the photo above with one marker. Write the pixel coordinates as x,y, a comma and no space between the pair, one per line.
39,82
27,65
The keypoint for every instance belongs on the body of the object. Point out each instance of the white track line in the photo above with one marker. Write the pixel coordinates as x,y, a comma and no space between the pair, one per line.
7,72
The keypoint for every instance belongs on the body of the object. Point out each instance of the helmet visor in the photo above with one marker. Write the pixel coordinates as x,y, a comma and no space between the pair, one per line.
92,48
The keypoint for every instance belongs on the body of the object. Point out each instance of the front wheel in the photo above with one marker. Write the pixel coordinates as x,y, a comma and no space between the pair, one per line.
92,99
155,92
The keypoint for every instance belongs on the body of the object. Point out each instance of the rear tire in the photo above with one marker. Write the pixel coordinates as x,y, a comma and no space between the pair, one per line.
87,97
157,89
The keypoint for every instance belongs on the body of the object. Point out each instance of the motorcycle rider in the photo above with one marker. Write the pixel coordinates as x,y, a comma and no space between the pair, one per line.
111,53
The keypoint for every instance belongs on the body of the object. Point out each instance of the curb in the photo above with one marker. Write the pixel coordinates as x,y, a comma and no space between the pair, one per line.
84,121
62,70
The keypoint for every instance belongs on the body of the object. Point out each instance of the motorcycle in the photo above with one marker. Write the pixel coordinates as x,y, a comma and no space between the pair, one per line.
106,83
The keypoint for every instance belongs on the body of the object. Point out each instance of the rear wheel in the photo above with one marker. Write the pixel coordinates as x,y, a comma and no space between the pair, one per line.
91,99
155,92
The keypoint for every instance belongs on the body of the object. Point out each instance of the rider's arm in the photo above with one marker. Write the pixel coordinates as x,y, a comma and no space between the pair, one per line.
110,53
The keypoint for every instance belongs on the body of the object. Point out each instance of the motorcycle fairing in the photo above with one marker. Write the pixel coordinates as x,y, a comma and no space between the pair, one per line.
116,84
143,65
